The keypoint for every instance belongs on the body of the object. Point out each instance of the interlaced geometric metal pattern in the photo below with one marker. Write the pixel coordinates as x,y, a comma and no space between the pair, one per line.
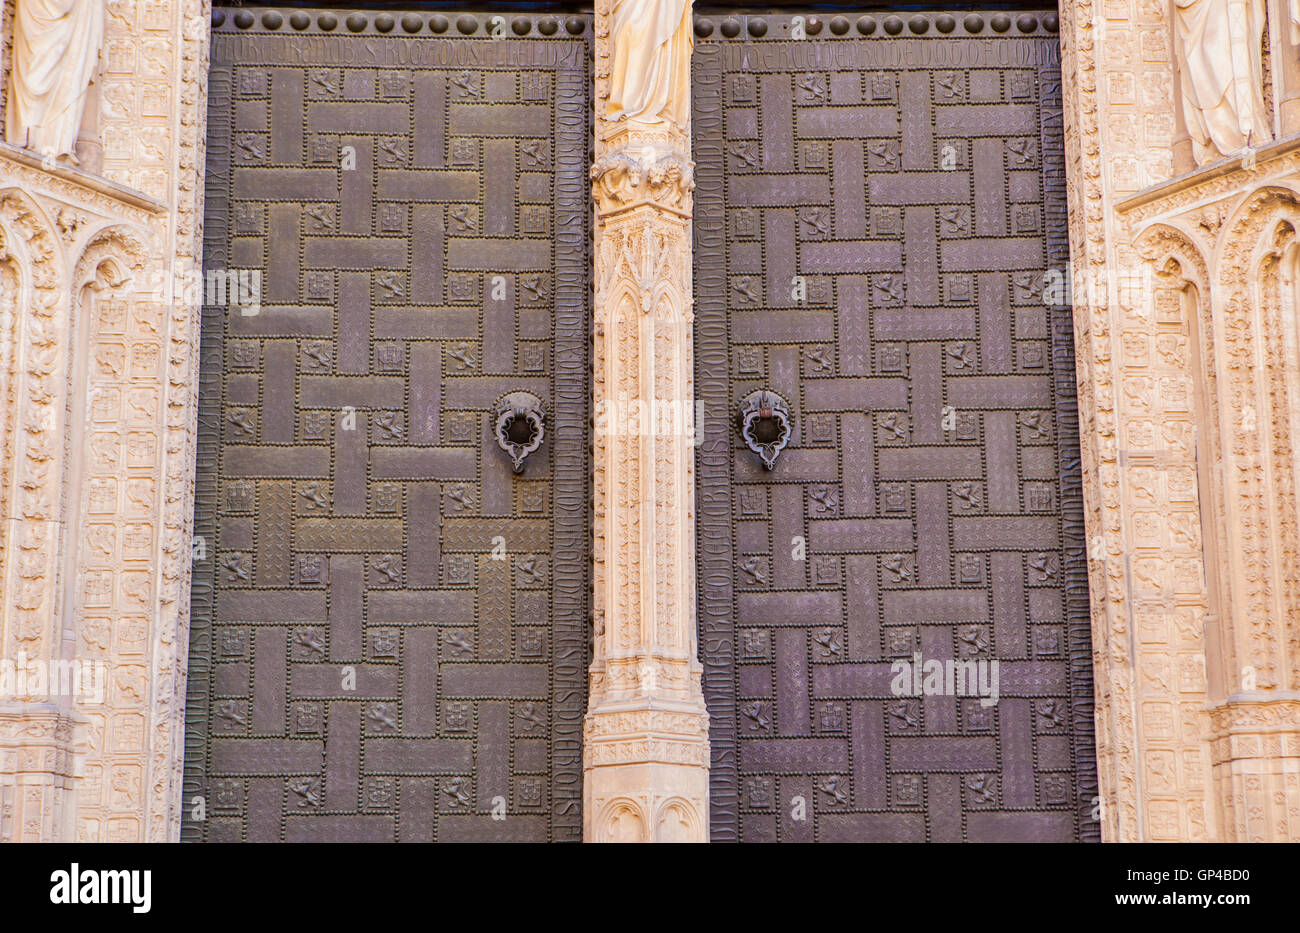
878,207
389,635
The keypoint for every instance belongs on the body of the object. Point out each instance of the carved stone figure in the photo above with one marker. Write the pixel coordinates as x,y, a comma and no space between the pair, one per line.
1222,76
650,76
55,58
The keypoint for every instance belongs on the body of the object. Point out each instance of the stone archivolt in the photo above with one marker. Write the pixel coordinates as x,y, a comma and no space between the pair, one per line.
1226,245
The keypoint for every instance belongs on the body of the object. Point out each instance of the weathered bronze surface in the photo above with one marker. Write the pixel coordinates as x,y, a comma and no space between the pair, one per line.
389,636
879,208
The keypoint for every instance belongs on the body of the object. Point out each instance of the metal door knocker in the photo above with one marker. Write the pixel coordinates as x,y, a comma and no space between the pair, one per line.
520,426
765,424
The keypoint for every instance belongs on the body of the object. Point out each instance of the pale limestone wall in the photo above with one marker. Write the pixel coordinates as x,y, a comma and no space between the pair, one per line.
1148,594
1189,373
98,362
1187,449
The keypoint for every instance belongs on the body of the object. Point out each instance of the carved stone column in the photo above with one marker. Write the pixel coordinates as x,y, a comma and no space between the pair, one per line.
646,751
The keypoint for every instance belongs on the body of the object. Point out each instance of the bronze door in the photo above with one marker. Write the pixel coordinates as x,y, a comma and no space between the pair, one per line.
389,622
880,231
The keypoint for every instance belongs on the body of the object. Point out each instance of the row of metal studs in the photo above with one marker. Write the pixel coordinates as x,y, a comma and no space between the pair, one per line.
411,23
892,25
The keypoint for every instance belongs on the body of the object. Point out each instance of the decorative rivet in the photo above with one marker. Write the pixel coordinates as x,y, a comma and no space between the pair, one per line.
218,17
758,27
1000,22
575,25
467,24
299,20
1051,22
547,27
356,22
327,21
730,28
703,27
243,19
893,25
813,26
839,25
521,25
973,23
945,23
866,25
1027,23
384,22
272,19
918,24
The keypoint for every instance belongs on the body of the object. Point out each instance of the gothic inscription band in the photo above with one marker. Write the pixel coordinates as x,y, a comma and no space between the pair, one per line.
390,619
879,223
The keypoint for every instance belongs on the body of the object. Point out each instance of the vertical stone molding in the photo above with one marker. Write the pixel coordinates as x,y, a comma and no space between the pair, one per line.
646,741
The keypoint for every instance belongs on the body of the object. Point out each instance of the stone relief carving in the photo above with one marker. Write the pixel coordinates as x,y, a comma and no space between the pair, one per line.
37,392
1220,57
61,229
55,59
1232,239
1151,647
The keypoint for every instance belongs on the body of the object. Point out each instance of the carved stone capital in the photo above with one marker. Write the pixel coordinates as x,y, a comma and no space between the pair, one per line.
626,178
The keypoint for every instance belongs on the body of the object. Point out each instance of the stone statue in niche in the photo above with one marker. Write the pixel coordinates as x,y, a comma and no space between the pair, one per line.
53,101
1220,57
650,71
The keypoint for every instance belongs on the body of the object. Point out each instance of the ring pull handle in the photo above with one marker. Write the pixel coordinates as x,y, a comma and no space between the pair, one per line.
520,426
765,425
